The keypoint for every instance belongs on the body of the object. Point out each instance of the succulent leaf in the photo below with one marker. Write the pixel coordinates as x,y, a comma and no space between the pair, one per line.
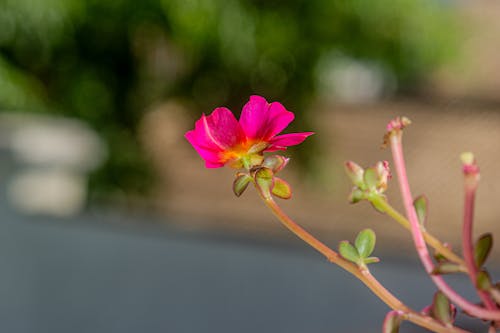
349,252
442,309
482,249
281,189
392,322
365,242
421,203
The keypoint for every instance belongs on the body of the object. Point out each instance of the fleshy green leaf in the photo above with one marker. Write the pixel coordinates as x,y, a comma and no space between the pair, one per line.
392,322
446,268
421,203
240,183
365,242
371,260
482,249
370,178
483,281
281,189
441,309
349,252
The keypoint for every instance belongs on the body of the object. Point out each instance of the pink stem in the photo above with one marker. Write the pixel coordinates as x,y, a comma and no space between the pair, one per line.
363,275
397,152
471,180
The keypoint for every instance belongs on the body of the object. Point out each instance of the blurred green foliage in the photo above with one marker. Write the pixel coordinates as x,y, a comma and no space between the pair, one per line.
106,62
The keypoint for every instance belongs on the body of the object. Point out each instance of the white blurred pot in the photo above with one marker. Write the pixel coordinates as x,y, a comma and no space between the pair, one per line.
55,155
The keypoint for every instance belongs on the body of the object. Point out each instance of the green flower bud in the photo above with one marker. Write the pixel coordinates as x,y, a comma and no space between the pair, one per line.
355,173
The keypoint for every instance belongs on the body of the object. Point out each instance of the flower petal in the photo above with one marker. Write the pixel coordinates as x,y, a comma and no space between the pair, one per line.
218,130
278,119
213,157
253,117
280,142
262,121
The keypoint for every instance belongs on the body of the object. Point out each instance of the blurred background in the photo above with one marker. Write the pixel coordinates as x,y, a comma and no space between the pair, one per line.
110,222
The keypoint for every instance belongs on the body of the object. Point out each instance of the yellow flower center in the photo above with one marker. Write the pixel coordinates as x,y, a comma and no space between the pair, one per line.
245,154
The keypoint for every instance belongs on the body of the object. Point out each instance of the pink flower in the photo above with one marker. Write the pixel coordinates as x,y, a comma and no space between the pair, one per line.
219,138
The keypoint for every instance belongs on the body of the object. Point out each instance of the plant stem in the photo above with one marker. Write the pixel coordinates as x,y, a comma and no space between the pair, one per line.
470,308
429,239
470,185
363,275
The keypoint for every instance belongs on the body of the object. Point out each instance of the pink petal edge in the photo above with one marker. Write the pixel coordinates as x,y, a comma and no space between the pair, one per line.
278,118
280,142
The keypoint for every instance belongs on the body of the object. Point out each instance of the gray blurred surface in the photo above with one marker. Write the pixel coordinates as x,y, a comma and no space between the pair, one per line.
110,273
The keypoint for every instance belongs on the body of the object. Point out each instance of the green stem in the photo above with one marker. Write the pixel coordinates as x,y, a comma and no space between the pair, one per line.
429,239
363,275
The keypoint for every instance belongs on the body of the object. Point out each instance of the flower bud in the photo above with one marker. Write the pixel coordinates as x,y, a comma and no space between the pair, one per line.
384,174
281,189
264,179
275,162
469,165
394,126
240,183
356,195
398,123
355,173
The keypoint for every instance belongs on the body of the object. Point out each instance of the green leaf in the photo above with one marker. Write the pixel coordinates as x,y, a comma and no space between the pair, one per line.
370,178
281,189
421,203
482,249
446,268
483,281
365,242
441,308
349,252
371,260
392,322
439,257
240,183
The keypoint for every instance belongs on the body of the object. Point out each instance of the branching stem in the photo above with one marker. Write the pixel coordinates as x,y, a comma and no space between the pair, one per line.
418,239
433,242
363,274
